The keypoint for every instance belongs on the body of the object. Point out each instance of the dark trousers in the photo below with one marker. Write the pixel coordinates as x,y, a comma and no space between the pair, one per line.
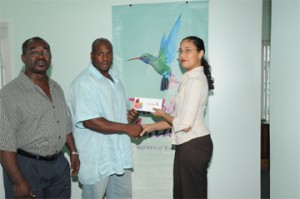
190,168
47,179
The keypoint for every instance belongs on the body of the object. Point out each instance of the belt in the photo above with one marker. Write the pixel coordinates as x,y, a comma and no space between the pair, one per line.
37,157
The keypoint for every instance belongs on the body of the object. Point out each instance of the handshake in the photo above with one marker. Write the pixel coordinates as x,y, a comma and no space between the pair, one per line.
133,129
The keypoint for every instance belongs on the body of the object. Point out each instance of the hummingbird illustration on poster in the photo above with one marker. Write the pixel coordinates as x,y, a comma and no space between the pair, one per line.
167,54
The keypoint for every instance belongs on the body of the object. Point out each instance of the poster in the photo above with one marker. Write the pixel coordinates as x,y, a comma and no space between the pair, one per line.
146,39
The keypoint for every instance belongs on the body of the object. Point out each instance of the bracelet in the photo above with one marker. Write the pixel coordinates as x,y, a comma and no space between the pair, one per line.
74,153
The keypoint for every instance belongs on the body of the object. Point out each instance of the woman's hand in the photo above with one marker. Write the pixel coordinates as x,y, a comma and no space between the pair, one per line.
158,112
147,128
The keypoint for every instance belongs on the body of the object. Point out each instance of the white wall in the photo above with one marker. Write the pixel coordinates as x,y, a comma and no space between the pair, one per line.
234,49
285,98
235,28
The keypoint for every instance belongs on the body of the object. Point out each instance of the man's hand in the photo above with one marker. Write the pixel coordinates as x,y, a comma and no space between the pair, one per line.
75,164
23,190
9,162
134,130
132,115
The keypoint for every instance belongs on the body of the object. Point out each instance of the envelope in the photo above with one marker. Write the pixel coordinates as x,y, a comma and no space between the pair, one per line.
146,104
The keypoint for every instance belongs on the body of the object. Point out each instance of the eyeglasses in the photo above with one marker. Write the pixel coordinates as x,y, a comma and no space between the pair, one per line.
186,51
36,53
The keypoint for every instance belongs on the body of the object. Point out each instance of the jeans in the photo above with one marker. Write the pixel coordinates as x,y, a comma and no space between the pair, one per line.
113,187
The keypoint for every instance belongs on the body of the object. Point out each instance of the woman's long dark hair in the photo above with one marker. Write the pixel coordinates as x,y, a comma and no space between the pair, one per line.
200,46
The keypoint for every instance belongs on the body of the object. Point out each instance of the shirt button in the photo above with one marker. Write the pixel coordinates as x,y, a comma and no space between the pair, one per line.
58,137
57,121
53,106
